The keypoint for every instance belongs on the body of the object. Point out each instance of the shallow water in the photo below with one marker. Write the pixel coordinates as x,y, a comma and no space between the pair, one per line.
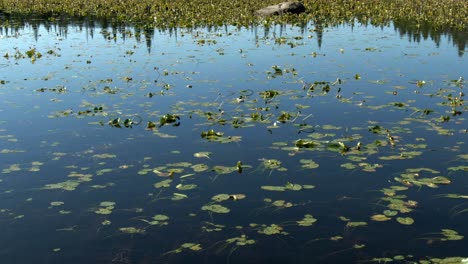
381,117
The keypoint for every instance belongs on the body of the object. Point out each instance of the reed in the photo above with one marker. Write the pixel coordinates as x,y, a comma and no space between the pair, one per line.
447,14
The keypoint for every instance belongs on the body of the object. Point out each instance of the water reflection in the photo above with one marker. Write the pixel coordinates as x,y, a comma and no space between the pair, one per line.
112,30
329,145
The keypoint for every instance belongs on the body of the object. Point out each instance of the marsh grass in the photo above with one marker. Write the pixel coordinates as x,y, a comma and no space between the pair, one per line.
448,14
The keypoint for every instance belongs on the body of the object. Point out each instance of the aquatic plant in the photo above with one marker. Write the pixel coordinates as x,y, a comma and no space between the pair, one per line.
177,13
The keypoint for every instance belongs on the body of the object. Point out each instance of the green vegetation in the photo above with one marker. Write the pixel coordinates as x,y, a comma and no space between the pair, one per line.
176,13
308,151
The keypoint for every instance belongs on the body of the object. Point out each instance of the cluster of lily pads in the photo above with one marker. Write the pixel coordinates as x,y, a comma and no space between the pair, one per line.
310,144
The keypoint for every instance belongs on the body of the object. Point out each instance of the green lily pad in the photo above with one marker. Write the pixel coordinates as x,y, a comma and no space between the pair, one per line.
308,164
356,224
380,217
216,208
451,235
274,188
107,204
184,187
271,230
293,186
163,184
56,203
160,217
203,154
308,220
131,230
405,220
220,197
66,186
240,241
199,167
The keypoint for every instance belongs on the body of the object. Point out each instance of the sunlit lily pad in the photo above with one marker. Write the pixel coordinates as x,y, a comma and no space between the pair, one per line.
192,246
216,208
390,213
132,230
380,218
282,203
271,229
220,197
224,170
203,154
405,220
308,164
57,203
274,188
293,186
178,196
355,224
184,187
199,167
66,185
163,184
160,217
240,241
107,204
450,234
308,220
104,156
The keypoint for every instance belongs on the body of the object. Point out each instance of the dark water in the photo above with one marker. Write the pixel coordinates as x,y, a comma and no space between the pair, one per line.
382,111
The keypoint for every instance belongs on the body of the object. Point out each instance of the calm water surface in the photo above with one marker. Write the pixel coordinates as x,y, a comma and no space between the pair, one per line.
327,145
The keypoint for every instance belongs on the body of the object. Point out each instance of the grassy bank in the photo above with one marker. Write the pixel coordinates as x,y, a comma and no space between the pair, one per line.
445,14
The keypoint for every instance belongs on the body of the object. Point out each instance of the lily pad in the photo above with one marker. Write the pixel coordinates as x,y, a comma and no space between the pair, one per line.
380,217
220,197
272,229
355,224
405,220
216,208
132,230
308,220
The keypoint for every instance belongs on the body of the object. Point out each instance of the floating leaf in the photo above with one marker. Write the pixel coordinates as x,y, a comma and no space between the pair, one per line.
271,229
192,246
441,180
169,119
282,203
105,208
356,224
66,185
104,156
451,235
274,188
203,154
224,170
183,187
308,220
240,241
293,186
163,184
308,164
131,230
199,167
390,213
405,220
220,197
380,218
178,196
301,143
216,208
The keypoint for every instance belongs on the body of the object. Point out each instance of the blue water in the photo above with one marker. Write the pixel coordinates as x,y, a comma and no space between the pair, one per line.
47,137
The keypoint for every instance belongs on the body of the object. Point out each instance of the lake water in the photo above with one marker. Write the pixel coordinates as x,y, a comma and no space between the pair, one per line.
283,145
